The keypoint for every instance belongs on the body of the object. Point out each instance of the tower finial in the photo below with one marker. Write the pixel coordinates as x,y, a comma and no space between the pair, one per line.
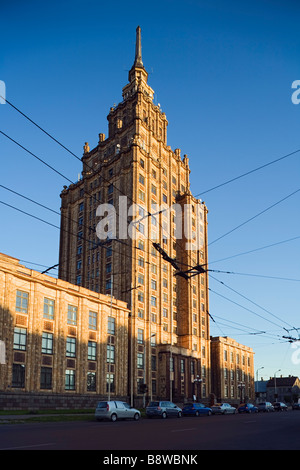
138,49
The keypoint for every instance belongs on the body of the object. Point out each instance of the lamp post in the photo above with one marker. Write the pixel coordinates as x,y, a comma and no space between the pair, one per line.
197,381
275,391
132,288
256,385
241,387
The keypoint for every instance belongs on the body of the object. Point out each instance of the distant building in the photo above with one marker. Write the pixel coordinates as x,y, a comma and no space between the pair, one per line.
261,390
232,371
285,389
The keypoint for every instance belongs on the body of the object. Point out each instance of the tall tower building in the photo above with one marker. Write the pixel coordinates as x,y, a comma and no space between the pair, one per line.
131,228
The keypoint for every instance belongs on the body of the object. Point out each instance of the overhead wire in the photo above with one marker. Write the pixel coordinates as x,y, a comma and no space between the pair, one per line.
248,173
233,179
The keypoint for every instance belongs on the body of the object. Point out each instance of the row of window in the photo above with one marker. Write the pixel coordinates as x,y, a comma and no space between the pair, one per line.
237,358
238,374
20,344
46,379
22,305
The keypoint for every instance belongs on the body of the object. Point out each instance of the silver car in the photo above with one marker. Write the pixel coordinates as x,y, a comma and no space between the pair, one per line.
163,409
266,406
114,410
223,409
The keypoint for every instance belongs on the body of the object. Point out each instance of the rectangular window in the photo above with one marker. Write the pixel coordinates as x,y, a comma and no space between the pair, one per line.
46,378
110,354
140,336
49,309
70,379
22,301
71,347
18,376
72,315
141,195
92,320
111,325
110,382
153,339
47,343
153,284
20,335
92,350
140,296
153,301
140,360
91,382
140,313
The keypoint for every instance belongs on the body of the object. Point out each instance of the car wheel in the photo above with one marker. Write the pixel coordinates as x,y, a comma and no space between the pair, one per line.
164,415
136,417
113,417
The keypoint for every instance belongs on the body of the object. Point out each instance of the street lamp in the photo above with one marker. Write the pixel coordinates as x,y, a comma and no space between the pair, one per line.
241,387
275,392
256,385
132,288
197,381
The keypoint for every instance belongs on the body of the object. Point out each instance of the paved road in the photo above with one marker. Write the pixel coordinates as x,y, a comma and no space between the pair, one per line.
263,431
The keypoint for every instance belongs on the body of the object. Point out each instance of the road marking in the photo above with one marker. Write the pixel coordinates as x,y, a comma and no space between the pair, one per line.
183,430
27,447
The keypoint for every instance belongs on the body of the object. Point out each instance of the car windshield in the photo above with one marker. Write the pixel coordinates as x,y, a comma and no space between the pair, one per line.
154,403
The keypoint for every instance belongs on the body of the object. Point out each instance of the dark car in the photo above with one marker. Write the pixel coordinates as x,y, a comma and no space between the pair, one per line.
279,406
265,406
163,409
247,408
195,409
296,406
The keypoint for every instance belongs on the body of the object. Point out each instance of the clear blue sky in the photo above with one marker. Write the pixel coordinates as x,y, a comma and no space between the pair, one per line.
222,72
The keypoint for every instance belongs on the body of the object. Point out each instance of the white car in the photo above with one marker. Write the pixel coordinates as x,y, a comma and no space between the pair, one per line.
114,410
223,409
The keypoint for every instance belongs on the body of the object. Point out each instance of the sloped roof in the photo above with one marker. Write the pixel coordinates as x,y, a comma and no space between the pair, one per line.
282,381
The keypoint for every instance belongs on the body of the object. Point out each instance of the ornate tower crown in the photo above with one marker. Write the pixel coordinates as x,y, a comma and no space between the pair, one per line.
138,75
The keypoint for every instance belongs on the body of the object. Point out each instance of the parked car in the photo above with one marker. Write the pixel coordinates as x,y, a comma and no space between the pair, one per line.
247,408
223,409
195,409
114,410
266,406
279,406
296,406
163,409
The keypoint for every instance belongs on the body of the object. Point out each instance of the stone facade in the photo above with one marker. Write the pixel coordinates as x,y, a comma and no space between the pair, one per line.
134,167
233,370
59,339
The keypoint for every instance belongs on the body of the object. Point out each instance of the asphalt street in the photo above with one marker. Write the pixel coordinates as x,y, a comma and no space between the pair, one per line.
262,431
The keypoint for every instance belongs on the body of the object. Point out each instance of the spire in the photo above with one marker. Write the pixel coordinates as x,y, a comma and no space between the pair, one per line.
138,49
138,71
